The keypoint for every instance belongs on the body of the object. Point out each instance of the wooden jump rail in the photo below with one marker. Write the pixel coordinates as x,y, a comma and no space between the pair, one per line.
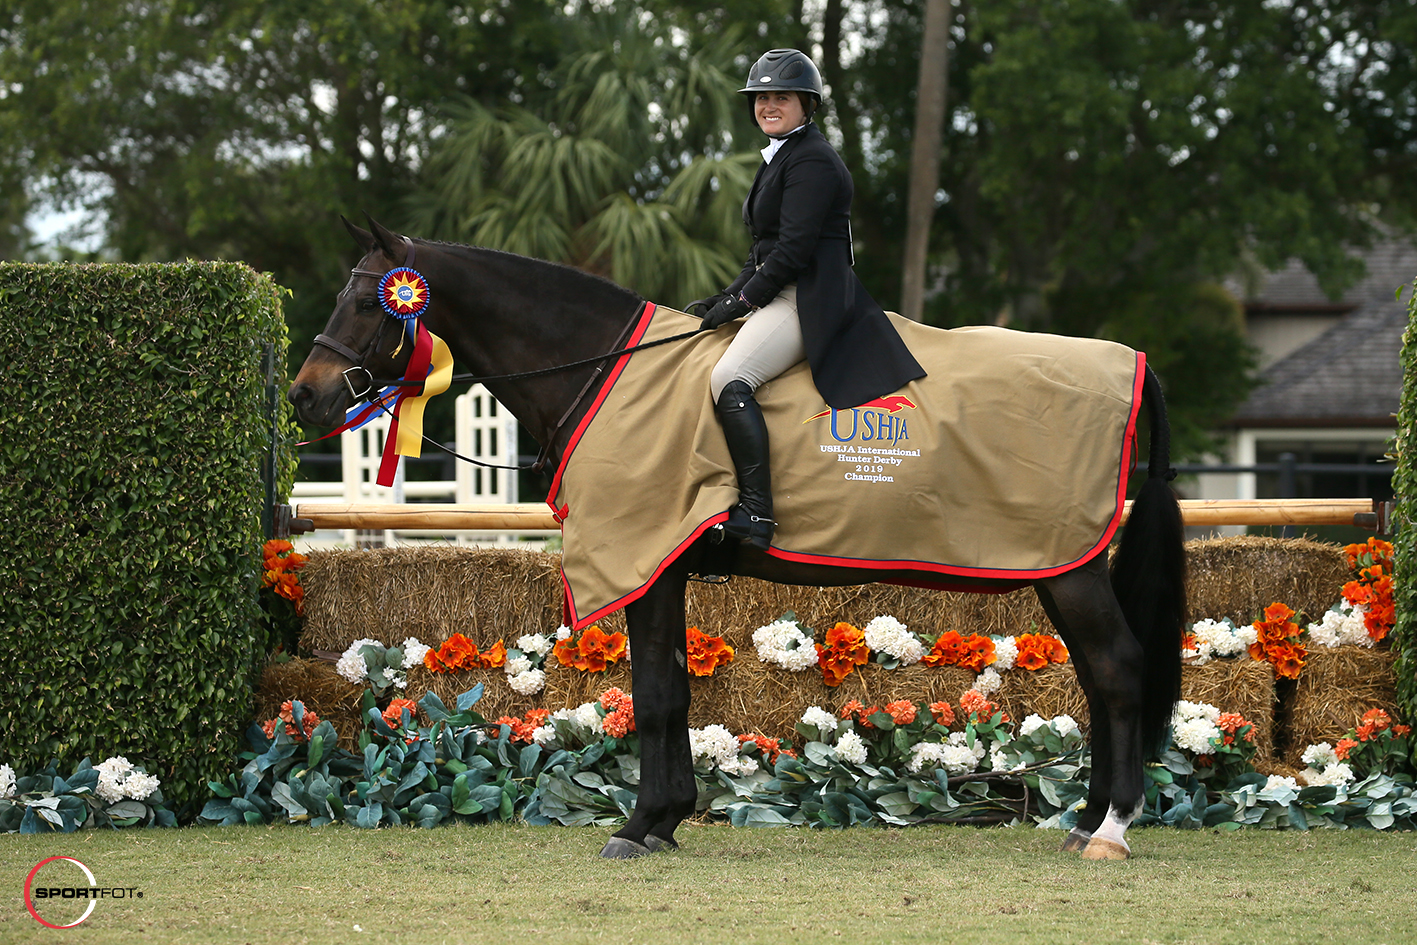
1364,513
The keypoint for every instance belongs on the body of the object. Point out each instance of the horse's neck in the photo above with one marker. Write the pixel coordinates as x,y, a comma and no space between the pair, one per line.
511,314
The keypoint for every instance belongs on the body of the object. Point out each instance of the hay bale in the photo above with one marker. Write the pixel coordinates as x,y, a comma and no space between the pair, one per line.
1239,577
1337,685
1239,685
316,684
429,593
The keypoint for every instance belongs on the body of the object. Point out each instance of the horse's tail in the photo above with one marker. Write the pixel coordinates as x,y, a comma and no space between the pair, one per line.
1149,576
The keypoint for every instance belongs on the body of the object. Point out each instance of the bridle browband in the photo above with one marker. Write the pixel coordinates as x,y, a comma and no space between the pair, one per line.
372,383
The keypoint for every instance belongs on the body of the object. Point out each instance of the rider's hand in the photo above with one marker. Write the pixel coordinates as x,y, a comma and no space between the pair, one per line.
725,311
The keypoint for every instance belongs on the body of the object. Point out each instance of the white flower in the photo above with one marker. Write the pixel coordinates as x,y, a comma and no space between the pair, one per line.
1218,638
529,682
351,664
955,756
1319,756
1336,773
139,785
1194,735
514,666
545,735
1247,635
1032,724
998,759
885,634
1279,781
534,643
1185,711
988,681
1065,725
587,717
117,779
1005,652
719,747
413,653
851,748
563,632
1342,624
822,719
7,780
783,643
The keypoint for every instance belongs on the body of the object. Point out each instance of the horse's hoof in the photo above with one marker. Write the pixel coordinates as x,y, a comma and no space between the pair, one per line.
658,844
1099,849
1076,841
621,849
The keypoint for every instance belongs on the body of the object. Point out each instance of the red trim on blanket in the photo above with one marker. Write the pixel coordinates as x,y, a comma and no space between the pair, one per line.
637,593
645,317
1023,576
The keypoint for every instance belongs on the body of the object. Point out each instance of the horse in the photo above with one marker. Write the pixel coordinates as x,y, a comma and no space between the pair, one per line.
502,314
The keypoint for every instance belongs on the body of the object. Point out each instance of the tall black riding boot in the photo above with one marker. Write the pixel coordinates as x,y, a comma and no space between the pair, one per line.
751,520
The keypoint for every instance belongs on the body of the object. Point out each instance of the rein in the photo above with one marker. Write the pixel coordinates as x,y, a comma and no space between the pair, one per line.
373,384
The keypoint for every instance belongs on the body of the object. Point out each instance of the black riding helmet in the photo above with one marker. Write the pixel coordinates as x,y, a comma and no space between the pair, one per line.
784,70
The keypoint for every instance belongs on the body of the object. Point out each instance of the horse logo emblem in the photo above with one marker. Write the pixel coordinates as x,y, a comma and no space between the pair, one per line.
404,293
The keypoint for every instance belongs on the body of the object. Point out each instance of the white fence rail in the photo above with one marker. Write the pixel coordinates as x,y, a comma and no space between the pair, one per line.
484,431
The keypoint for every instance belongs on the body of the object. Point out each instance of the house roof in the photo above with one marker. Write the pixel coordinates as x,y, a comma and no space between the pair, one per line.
1390,263
1349,376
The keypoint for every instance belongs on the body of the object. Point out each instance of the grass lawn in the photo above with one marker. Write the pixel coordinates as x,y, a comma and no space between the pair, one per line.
460,884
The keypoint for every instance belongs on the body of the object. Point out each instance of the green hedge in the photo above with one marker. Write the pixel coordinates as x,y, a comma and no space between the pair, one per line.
1404,485
132,438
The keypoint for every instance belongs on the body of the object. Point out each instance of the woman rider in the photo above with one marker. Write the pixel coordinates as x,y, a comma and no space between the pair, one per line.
797,288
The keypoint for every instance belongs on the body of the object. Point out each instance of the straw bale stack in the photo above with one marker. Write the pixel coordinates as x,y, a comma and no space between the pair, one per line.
320,688
490,595
1239,577
1232,685
1337,685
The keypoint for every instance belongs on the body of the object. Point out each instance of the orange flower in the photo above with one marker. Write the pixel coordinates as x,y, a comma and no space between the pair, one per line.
566,652
1278,641
979,653
615,698
975,705
902,711
597,649
944,715
706,653
494,656
1401,730
852,709
1037,650
458,652
1344,746
287,715
1232,722
393,715
844,650
948,648
522,730
1373,722
769,747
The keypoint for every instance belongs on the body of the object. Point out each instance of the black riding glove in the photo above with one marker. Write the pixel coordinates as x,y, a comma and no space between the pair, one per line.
725,311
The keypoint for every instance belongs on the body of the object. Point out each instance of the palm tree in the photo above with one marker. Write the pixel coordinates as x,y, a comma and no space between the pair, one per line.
623,167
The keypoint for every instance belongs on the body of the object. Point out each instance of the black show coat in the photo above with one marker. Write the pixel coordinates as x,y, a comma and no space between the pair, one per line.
799,212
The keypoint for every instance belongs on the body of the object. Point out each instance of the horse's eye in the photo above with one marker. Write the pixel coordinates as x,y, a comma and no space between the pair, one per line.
367,304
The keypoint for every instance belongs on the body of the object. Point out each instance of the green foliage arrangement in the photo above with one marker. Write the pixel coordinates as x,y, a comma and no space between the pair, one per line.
131,453
1404,487
900,765
114,794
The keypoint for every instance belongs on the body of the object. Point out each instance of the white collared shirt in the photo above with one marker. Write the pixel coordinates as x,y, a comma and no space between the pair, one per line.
776,143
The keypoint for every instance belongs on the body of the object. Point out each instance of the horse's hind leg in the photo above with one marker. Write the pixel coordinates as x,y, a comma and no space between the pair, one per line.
1109,663
661,692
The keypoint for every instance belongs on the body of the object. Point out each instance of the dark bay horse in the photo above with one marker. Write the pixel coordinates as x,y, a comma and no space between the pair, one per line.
503,314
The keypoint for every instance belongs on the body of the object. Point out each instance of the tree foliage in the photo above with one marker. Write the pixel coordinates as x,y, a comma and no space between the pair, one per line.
1105,163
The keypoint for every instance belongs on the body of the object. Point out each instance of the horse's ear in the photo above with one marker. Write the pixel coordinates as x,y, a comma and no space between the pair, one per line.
387,240
364,238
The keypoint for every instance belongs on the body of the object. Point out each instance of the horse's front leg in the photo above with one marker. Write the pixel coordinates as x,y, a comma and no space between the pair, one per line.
661,692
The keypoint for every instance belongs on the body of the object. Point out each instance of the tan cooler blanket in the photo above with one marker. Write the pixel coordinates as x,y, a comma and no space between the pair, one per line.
1009,461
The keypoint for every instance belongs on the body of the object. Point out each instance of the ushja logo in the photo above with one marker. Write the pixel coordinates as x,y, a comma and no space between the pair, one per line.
874,420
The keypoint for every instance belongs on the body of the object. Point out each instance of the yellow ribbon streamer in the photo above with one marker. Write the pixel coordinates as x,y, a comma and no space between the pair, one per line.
410,438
